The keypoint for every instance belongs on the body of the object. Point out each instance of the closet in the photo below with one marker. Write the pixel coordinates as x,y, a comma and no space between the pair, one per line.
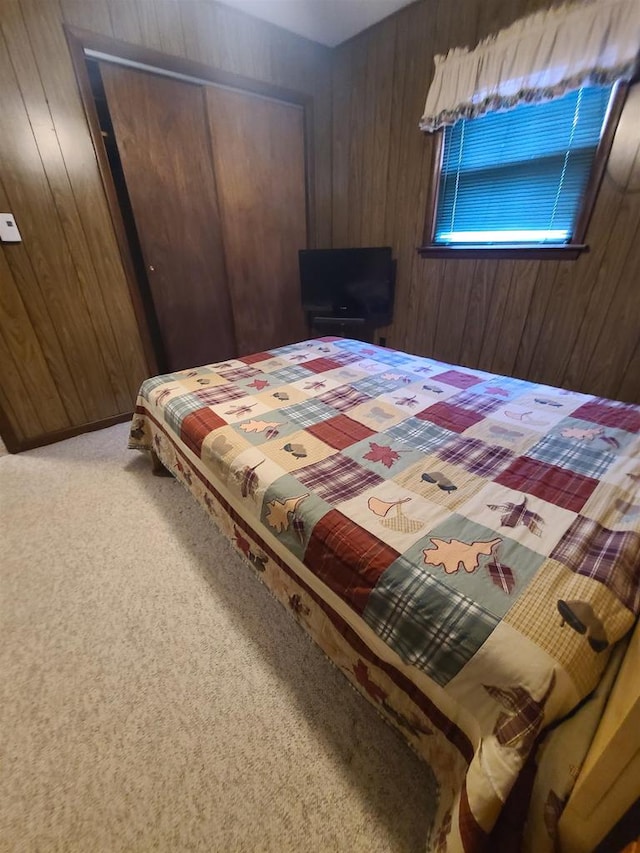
212,188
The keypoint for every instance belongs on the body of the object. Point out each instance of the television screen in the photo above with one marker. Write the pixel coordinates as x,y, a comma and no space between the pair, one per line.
348,282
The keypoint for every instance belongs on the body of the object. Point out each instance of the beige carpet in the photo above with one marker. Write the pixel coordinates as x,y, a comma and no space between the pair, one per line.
153,696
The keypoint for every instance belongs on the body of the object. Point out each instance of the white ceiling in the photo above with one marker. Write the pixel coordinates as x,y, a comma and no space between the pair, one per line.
326,21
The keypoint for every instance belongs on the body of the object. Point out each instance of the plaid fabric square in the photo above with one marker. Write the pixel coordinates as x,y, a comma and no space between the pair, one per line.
150,385
348,558
340,432
607,556
563,488
346,358
197,425
480,403
307,413
288,374
374,386
420,435
238,373
344,398
592,461
392,357
457,378
219,394
428,624
337,478
321,365
256,357
177,408
610,413
450,417
478,458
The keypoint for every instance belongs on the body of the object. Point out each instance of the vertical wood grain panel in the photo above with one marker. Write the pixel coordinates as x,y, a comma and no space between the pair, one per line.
30,365
162,133
572,323
258,152
340,80
30,196
125,20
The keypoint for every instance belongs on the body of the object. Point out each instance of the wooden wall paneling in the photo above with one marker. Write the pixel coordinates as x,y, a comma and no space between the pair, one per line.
92,243
381,133
41,404
621,177
125,20
55,168
242,42
94,16
17,408
480,302
535,317
574,285
357,135
493,328
318,140
523,282
18,256
26,284
149,24
618,339
258,153
629,388
456,290
31,200
11,433
340,136
425,303
169,22
376,135
407,188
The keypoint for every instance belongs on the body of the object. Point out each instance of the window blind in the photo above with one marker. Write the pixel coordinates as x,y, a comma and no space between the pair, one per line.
519,176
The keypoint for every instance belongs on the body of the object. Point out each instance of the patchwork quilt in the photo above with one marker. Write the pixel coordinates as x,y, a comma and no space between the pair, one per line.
465,546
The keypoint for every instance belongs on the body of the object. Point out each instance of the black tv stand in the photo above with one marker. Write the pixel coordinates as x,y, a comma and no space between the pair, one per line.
342,325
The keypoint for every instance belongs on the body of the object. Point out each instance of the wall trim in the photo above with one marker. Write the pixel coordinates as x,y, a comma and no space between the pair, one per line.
63,434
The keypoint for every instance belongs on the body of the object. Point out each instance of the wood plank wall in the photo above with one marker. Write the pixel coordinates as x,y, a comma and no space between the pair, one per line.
569,323
70,351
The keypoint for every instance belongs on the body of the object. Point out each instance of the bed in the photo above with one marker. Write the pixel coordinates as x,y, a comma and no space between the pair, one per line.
464,546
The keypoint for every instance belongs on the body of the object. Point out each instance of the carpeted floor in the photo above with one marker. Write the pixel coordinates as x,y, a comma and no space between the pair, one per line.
153,696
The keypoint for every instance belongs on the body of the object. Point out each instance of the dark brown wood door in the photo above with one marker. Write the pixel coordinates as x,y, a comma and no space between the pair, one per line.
163,140
259,156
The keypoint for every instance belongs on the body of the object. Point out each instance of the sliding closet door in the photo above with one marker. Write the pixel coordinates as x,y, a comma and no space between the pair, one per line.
163,140
258,151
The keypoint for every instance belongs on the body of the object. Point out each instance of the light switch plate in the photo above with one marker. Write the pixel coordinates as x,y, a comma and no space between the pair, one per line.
8,229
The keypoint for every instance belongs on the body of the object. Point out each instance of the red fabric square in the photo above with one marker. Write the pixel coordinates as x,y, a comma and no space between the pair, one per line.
349,559
340,432
257,356
619,415
450,417
555,485
457,378
197,425
319,365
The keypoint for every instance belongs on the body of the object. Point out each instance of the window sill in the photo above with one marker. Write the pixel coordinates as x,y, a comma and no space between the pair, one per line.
566,252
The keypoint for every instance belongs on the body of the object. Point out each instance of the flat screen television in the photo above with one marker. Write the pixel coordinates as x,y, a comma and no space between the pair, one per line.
348,283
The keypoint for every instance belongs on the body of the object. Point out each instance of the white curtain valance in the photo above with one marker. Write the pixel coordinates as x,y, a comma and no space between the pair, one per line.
537,58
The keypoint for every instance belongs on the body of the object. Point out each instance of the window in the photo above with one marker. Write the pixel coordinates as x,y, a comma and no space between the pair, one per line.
521,178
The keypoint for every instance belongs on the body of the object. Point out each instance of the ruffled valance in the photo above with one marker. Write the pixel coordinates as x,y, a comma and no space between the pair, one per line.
537,58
